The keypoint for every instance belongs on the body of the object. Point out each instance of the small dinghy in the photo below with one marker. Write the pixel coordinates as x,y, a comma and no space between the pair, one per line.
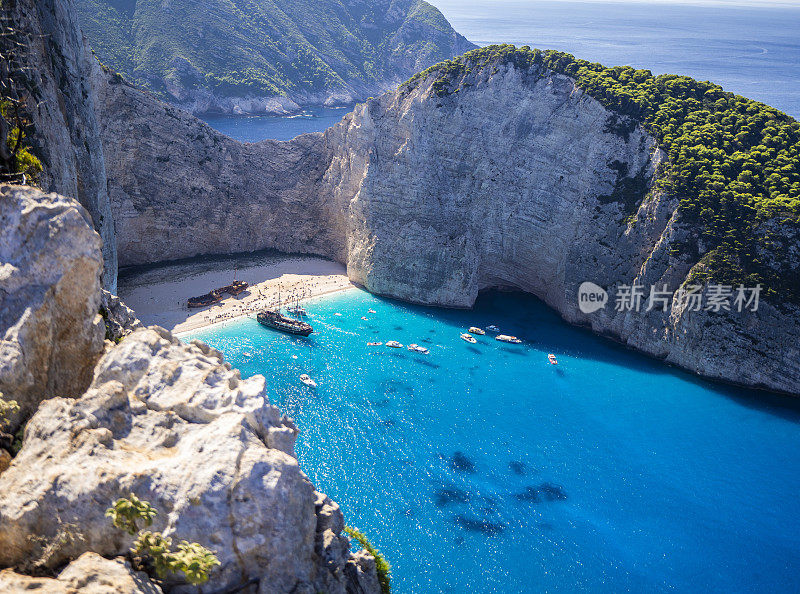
364,318
468,337
492,328
308,381
476,330
394,344
507,338
374,343
337,314
552,358
418,349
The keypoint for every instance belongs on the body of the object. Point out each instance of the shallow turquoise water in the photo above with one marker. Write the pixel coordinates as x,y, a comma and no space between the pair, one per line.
485,469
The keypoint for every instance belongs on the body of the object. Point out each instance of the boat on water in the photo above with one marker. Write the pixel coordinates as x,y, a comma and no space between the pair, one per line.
364,318
308,381
371,311
507,338
298,310
552,358
394,344
276,321
418,349
476,330
492,328
468,337
374,343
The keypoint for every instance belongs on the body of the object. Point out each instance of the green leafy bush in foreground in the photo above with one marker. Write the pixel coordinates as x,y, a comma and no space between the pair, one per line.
191,558
734,163
381,564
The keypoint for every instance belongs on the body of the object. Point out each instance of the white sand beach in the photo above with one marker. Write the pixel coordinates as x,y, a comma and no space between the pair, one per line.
159,295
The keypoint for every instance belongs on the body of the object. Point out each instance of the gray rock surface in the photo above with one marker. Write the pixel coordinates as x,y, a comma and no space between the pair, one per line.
120,320
88,574
51,335
65,133
507,181
178,427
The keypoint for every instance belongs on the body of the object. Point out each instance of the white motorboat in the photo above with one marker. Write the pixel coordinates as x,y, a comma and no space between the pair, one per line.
507,338
468,337
418,349
308,381
492,328
371,311
394,344
552,358
476,330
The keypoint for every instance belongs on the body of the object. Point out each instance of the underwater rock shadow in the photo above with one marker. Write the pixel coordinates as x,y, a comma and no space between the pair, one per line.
517,467
461,463
449,495
480,526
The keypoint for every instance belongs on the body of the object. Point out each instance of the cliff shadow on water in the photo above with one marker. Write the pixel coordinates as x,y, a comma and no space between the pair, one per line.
541,327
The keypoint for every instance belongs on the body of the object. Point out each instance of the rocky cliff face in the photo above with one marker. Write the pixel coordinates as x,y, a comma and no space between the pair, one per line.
169,422
58,64
179,188
515,178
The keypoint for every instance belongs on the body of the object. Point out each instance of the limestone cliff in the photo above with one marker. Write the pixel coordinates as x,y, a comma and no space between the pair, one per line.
57,65
516,178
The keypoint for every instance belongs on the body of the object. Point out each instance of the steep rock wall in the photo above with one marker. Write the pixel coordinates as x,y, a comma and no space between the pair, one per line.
59,65
178,188
515,179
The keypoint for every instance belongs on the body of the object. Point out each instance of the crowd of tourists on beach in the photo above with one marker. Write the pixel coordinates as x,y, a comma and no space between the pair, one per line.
271,297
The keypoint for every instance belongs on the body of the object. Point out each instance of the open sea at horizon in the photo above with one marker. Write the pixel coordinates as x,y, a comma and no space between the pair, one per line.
482,468
752,51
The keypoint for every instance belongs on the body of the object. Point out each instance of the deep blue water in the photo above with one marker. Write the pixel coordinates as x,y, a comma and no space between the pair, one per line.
485,469
256,128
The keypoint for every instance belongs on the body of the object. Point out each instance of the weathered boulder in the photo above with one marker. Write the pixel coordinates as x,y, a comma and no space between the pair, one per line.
88,574
175,425
51,335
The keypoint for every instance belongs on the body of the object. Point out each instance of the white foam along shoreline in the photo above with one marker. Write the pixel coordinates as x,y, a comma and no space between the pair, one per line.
159,296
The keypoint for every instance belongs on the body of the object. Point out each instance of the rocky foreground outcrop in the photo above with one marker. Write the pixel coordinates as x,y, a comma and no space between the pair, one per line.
513,178
51,335
175,425
169,422
88,574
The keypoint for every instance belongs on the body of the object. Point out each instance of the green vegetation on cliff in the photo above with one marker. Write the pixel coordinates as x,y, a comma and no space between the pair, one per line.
734,163
264,48
153,551
17,90
382,566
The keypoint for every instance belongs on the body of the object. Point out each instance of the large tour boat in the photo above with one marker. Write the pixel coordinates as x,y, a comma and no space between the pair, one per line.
273,319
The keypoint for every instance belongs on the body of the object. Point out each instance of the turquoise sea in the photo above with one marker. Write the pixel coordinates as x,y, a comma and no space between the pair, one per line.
485,469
